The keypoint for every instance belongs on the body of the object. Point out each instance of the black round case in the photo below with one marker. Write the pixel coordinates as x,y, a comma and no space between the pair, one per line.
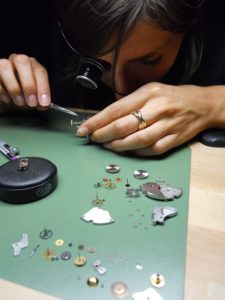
27,182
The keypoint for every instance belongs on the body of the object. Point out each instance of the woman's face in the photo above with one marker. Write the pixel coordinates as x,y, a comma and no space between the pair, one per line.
147,55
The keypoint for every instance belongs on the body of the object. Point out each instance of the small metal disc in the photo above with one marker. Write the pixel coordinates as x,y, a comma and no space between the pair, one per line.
91,249
48,254
59,242
66,255
98,202
92,281
80,261
119,289
118,179
46,234
141,174
110,185
112,168
105,179
80,247
97,185
157,280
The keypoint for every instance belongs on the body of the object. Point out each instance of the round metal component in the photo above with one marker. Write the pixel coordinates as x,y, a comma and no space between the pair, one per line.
48,254
92,281
46,234
98,202
118,179
141,174
119,289
157,280
105,179
80,261
91,249
80,247
110,185
112,168
98,185
66,255
59,242
139,266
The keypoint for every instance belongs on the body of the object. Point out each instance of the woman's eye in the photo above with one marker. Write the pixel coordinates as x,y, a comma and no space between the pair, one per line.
151,62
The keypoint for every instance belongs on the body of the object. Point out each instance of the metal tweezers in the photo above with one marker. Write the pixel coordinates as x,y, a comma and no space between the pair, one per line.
62,109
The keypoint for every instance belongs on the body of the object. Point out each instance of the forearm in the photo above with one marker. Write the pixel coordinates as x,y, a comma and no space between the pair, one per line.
215,98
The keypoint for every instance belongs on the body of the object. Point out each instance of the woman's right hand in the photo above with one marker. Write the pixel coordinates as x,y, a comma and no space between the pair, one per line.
23,82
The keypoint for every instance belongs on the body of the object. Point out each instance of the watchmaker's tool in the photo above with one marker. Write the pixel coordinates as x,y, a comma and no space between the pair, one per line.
26,179
62,109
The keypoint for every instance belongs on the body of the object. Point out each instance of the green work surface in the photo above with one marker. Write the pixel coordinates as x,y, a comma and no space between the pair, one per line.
130,240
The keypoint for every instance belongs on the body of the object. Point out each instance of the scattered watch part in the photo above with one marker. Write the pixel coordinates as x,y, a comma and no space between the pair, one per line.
91,250
118,179
35,249
112,168
139,266
132,192
127,183
98,185
170,192
48,254
54,258
59,242
105,179
152,190
18,246
149,294
157,280
160,213
141,174
97,216
119,289
92,281
109,185
97,201
46,234
160,191
97,265
66,255
80,261
80,247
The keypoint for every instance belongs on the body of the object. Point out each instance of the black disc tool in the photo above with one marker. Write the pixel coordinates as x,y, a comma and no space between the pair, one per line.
27,179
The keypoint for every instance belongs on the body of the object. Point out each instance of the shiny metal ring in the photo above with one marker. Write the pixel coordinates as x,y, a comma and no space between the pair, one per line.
141,122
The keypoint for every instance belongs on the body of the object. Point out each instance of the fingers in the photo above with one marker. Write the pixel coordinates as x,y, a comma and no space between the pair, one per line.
42,83
116,110
143,138
11,85
24,81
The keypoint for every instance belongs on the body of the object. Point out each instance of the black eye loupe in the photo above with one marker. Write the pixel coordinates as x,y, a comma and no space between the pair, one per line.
90,73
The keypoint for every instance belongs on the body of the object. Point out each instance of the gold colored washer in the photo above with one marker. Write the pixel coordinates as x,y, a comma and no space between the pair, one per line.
59,242
110,185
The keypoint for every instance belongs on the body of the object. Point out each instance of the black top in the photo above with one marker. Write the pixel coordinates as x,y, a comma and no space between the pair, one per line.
30,27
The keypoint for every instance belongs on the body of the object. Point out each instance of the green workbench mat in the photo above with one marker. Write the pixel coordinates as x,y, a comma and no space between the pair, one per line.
123,246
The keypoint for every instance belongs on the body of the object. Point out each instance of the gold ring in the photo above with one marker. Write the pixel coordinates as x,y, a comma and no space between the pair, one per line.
141,122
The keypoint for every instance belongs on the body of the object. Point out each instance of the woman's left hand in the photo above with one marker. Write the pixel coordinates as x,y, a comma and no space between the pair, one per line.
173,115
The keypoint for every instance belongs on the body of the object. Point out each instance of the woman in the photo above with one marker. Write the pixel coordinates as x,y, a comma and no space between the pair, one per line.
150,54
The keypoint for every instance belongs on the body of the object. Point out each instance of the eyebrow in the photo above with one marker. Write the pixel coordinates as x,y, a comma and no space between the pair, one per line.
152,55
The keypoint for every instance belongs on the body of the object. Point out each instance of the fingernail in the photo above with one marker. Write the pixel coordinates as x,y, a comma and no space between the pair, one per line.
5,98
82,131
32,100
45,99
107,146
19,100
